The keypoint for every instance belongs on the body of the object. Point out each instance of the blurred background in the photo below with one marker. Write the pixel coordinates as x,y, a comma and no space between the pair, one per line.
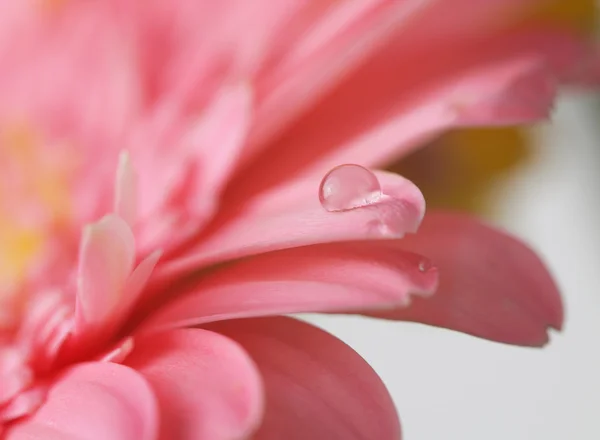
544,186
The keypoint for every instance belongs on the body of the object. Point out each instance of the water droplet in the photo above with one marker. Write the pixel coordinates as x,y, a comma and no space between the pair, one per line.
348,187
425,265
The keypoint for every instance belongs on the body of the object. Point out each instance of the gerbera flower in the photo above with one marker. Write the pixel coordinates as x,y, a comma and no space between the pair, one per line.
124,297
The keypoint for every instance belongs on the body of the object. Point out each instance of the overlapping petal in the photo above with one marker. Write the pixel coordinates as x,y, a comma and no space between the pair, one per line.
403,97
300,220
94,401
491,285
337,277
206,385
316,386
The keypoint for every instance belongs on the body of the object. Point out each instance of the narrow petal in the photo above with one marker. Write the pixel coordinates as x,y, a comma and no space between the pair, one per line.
208,388
219,138
184,174
300,220
405,96
125,204
339,277
316,386
106,259
491,285
94,401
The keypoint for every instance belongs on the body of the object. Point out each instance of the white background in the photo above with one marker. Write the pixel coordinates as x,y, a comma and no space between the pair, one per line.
451,386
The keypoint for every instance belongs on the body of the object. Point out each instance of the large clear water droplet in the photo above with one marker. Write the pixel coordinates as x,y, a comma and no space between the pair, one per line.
348,187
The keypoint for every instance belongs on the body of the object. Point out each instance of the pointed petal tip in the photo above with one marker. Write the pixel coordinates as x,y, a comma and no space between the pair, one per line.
125,197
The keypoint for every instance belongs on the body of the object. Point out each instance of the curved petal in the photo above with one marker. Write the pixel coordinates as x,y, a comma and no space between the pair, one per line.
491,285
405,96
206,385
106,258
317,387
300,220
93,401
337,277
344,36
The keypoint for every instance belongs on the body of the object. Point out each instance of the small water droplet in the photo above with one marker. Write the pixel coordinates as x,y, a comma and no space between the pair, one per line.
349,187
425,265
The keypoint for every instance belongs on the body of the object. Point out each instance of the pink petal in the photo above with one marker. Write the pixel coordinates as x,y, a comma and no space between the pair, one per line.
188,158
301,220
132,292
322,278
106,259
93,401
406,95
317,387
125,204
342,36
217,141
206,385
491,285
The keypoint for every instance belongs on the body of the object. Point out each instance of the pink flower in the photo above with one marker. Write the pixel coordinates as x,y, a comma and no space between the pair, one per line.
230,114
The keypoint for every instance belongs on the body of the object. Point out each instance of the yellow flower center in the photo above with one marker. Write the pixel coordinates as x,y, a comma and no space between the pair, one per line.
34,199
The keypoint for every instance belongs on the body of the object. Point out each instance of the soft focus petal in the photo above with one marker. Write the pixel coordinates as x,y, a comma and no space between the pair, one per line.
335,277
404,97
317,387
300,220
106,259
491,285
133,290
184,168
94,401
207,386
329,47
125,203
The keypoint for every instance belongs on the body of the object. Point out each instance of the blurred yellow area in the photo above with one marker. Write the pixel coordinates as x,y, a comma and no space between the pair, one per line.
574,14
19,245
33,195
458,170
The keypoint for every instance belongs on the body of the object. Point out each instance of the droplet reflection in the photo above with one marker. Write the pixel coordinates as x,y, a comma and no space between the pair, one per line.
349,187
425,265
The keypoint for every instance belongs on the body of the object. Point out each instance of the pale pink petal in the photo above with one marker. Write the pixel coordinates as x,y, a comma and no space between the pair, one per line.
303,221
93,401
337,277
405,96
491,285
317,387
206,385
106,258
125,203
